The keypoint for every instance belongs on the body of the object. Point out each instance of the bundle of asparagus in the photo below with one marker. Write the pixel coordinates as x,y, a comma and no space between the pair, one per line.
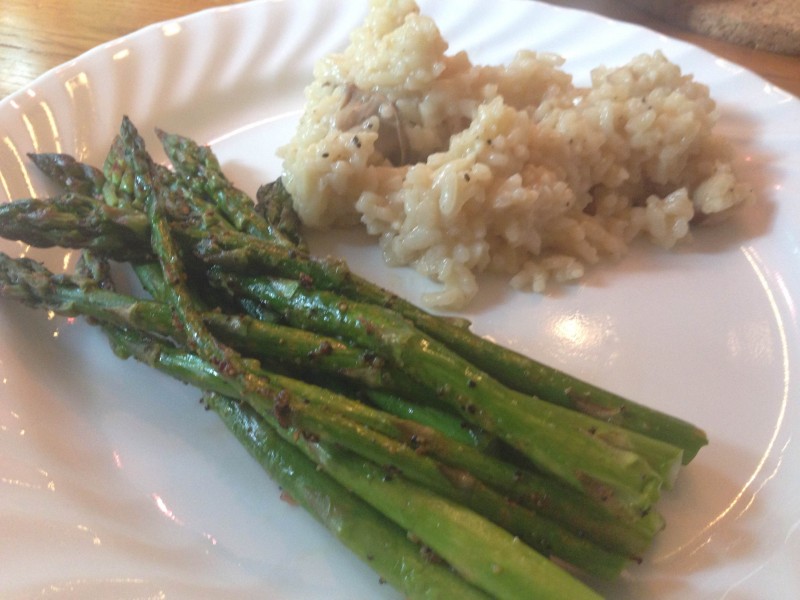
455,467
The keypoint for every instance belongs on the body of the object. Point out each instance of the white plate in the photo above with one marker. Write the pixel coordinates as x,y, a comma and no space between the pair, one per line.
113,483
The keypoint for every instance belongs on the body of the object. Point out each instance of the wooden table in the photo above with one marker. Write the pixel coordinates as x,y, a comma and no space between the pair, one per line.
36,36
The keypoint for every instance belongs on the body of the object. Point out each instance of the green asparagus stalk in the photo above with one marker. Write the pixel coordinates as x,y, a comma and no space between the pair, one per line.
367,533
445,422
198,188
535,428
177,293
275,205
484,554
76,221
457,485
200,170
70,174
500,563
120,188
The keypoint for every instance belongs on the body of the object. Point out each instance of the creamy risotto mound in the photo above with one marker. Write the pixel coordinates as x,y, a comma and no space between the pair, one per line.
460,168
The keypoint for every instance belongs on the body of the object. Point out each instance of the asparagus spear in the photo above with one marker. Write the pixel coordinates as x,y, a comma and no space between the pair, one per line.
483,553
274,203
120,188
72,175
374,539
200,170
446,422
457,485
76,221
535,428
88,181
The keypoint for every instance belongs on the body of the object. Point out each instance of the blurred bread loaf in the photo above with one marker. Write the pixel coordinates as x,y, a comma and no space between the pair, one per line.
772,25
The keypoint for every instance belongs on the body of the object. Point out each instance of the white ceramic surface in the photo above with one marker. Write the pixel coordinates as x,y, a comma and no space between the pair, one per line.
114,483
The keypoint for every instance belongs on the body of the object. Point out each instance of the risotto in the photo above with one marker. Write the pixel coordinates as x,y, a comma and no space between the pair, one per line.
459,168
